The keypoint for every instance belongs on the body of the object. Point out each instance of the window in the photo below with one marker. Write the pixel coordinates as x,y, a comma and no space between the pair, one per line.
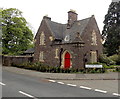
42,39
94,38
51,38
67,38
56,53
41,56
93,55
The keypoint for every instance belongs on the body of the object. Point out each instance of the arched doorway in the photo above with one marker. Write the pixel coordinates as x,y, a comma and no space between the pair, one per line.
67,60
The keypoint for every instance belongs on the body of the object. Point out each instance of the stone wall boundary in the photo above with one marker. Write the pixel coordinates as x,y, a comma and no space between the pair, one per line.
17,60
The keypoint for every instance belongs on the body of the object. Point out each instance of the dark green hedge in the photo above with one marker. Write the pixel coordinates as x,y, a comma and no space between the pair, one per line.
52,69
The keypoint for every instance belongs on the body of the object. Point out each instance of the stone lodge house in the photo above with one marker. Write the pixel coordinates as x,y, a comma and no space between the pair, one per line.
70,45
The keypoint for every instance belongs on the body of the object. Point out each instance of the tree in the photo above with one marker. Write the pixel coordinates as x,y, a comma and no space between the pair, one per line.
16,35
111,30
0,33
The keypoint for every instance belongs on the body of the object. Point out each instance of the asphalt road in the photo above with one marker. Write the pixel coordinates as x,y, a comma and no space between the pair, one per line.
20,85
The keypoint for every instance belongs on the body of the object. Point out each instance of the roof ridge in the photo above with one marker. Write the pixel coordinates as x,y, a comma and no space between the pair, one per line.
84,19
57,22
66,23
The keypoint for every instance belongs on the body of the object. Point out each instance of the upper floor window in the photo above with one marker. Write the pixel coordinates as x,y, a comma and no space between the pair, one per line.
94,38
41,56
51,38
42,38
67,38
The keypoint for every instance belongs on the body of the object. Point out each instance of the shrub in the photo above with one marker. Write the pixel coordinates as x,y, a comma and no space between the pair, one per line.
104,59
45,68
118,69
115,58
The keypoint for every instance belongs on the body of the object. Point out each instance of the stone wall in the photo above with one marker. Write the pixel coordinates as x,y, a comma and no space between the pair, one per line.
9,60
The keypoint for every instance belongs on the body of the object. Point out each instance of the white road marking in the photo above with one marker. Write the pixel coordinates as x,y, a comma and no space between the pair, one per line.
2,84
85,87
52,80
60,83
71,85
100,91
28,95
116,94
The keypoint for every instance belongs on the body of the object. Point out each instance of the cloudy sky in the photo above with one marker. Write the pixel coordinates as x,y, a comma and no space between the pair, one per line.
34,10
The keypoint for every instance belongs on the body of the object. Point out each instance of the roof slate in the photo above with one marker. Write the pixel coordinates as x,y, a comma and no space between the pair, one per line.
56,28
60,31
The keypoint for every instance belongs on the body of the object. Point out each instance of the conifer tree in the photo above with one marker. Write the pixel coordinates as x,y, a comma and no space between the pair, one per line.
111,30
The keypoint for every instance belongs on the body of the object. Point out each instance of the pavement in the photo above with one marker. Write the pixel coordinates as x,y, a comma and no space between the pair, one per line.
65,76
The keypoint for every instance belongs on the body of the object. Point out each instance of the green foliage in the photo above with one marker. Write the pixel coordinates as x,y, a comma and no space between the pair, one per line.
17,36
111,29
51,69
115,58
104,59
0,33
109,67
118,69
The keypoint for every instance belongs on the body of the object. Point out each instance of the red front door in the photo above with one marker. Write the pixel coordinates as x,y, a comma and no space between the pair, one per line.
67,60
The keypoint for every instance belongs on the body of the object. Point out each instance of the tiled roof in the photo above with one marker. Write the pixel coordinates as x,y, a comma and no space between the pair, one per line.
56,28
77,27
60,30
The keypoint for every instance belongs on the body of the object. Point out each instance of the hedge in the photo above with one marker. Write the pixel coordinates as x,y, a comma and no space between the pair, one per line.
52,69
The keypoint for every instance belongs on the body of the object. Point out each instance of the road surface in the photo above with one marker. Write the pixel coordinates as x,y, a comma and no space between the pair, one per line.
21,85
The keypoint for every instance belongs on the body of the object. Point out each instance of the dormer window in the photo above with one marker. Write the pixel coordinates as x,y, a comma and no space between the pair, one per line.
94,38
51,38
67,38
42,39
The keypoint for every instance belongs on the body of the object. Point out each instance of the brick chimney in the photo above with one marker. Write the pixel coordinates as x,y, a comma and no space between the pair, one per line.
46,17
72,17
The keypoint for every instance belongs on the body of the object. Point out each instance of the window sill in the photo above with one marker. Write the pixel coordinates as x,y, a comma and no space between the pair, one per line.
42,61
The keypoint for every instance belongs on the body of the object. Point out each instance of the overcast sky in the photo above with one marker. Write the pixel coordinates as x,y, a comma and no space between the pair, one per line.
34,10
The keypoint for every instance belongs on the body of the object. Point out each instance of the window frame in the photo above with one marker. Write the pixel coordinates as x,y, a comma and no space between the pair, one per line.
93,38
41,56
56,53
93,56
42,38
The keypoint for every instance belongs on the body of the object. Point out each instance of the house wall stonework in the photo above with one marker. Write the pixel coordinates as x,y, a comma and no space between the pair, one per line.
79,55
16,60
87,38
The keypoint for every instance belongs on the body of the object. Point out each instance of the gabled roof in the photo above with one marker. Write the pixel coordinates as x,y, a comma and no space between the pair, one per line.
59,30
77,27
56,28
